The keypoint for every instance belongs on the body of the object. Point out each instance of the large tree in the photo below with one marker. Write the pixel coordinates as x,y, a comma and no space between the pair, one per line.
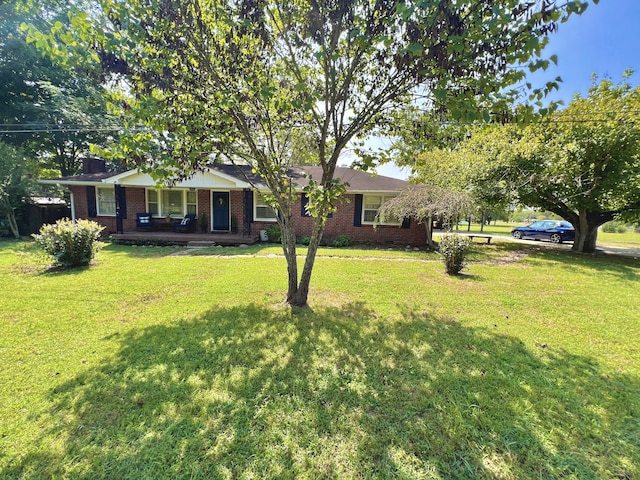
51,112
236,78
581,163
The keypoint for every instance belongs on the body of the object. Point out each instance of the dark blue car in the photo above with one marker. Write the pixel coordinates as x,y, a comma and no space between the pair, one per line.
556,231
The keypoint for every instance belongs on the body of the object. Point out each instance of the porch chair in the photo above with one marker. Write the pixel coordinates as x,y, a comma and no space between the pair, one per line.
144,222
188,224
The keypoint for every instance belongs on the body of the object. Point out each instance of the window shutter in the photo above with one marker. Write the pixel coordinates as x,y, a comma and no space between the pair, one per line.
248,206
121,202
357,211
304,201
406,223
92,209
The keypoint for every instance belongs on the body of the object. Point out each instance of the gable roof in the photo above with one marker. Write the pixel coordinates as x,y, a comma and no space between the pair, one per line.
240,176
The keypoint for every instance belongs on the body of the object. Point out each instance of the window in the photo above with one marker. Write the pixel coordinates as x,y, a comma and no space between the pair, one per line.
192,202
370,206
170,202
152,203
106,201
263,211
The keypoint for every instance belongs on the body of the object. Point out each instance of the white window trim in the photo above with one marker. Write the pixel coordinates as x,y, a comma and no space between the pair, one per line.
110,190
385,197
257,197
160,213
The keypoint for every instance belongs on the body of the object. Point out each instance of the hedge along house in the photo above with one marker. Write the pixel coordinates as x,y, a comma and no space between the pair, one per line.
231,204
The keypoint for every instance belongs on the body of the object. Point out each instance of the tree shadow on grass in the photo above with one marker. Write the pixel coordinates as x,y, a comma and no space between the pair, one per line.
336,393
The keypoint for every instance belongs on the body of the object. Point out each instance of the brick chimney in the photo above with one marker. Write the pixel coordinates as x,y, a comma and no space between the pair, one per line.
93,165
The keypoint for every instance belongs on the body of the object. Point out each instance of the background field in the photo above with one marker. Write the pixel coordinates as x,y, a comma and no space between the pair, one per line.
151,364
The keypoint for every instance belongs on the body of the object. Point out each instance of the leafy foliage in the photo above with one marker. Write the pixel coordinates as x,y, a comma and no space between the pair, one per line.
52,112
342,240
274,234
454,248
71,244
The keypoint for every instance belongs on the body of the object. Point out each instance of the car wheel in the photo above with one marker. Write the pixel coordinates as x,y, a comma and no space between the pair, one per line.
555,238
517,234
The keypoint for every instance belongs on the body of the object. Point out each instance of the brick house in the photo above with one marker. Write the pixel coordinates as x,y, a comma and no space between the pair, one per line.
231,204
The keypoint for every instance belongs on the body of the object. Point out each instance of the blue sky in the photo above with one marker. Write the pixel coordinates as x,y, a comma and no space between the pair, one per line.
604,40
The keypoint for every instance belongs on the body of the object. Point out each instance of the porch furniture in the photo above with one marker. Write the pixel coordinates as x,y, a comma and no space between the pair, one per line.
144,222
188,224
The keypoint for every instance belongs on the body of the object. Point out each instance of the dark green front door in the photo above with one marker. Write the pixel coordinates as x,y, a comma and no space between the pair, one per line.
220,211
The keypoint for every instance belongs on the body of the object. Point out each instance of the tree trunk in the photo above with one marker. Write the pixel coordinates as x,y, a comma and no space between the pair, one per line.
429,228
13,224
288,240
299,299
586,233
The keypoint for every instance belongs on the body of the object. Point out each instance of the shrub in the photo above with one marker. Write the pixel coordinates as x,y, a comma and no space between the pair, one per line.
614,227
71,244
342,240
306,240
453,248
274,234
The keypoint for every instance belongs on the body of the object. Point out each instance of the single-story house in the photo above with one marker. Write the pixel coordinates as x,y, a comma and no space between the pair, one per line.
230,203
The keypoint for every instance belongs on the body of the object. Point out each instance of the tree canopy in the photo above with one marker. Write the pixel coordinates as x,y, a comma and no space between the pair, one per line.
238,79
50,111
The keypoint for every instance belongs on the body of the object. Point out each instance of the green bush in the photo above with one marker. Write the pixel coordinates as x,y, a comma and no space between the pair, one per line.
341,241
306,240
454,248
71,244
614,227
274,234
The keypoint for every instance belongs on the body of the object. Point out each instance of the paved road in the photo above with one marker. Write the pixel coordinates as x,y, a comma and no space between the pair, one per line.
608,249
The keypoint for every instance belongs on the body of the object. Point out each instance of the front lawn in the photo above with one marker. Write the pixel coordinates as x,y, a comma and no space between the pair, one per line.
154,365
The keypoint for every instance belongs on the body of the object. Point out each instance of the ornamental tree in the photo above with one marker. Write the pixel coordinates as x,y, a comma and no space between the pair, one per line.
240,80
425,203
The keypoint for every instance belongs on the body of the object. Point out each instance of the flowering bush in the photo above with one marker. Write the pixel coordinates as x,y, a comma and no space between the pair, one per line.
453,248
71,244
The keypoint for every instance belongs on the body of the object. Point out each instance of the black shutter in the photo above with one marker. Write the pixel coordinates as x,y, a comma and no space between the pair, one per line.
248,205
304,201
406,223
357,211
92,209
121,201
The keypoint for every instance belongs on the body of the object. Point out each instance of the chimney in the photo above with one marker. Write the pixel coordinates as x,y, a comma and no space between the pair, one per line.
93,165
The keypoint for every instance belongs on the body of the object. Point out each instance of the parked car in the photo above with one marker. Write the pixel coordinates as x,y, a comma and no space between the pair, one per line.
556,231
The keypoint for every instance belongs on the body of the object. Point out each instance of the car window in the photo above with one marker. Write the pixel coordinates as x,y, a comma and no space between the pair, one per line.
536,225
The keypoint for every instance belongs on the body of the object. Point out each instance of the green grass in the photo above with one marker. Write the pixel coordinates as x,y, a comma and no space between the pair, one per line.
153,365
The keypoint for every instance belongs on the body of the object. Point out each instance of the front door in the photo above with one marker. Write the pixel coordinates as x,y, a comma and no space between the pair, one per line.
221,211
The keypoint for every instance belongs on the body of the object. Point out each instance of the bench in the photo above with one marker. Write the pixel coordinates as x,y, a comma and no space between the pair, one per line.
476,235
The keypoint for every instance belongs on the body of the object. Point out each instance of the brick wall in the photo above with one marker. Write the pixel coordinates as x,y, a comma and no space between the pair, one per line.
342,222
